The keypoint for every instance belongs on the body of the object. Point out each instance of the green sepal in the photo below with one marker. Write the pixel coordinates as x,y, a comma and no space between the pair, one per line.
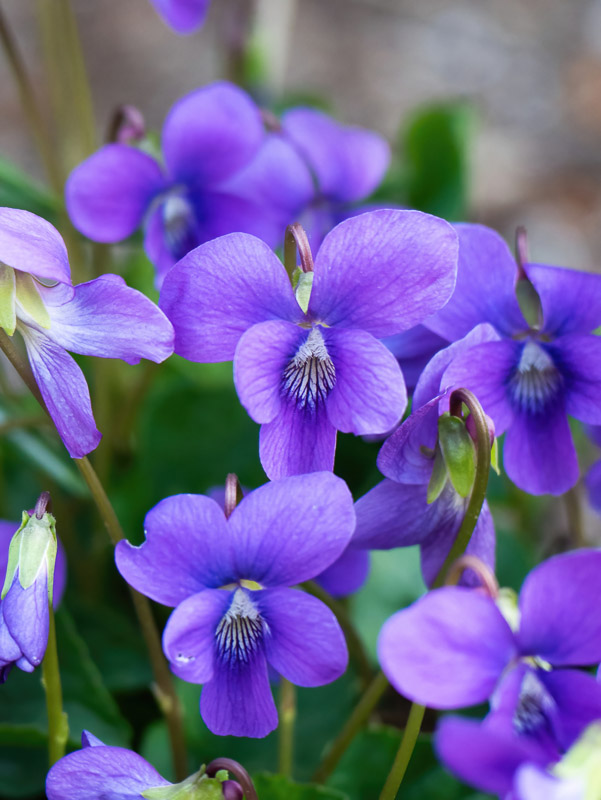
494,456
29,298
438,478
13,556
582,763
33,547
458,452
8,293
197,787
302,287
508,604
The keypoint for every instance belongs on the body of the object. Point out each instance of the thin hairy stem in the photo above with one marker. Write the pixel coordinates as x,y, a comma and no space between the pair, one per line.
405,751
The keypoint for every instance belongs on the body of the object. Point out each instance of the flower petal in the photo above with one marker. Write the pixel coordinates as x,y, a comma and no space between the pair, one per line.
452,632
305,644
210,134
109,193
290,530
579,360
370,271
369,395
189,636
413,349
555,604
30,244
25,614
578,699
532,783
184,16
347,574
106,318
485,290
65,392
237,701
593,486
222,288
185,551
561,291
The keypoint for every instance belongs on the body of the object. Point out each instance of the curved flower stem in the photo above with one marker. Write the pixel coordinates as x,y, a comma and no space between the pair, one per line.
239,773
58,725
403,756
287,714
297,238
165,690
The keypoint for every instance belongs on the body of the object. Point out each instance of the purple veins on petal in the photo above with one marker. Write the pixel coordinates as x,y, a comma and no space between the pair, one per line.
310,375
536,381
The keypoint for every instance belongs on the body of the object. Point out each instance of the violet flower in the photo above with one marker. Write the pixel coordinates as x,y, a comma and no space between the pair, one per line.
209,136
531,380
103,317
229,579
593,476
396,512
308,365
184,16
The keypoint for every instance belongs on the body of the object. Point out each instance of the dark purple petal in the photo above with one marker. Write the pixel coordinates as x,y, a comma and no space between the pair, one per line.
184,16
397,515
369,395
297,441
65,392
578,703
218,291
106,318
305,643
290,530
237,701
539,454
482,756
189,636
348,162
30,244
555,604
561,293
579,360
25,613
60,575
448,649
370,271
186,550
485,291
89,740
347,574
260,361
593,486
156,245
210,134
413,349
99,773
7,531
108,194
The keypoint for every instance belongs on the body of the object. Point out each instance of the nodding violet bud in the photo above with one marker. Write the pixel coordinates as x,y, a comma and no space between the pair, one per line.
127,125
494,450
27,594
197,787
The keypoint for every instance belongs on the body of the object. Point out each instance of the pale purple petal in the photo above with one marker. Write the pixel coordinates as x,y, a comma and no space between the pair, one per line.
561,293
189,636
348,162
485,291
237,701
539,454
260,360
184,16
99,773
186,550
10,652
106,318
578,358
369,395
431,655
384,271
555,604
218,291
297,441
210,134
347,574
25,614
65,392
290,530
305,643
31,244
532,783
109,193
577,696
413,349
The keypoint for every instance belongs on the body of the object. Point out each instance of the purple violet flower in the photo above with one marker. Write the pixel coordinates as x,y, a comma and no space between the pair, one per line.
396,512
229,580
534,377
202,191
593,476
103,317
184,16
309,364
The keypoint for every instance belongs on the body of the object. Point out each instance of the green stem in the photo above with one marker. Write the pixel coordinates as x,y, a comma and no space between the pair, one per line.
58,725
287,715
574,515
165,690
403,756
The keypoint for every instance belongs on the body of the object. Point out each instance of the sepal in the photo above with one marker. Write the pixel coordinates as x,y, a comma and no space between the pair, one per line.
196,787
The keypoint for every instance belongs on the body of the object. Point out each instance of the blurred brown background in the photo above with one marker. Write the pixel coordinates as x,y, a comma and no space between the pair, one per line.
530,68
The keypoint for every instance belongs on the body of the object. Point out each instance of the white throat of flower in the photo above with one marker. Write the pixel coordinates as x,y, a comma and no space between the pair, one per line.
240,630
20,299
310,375
536,378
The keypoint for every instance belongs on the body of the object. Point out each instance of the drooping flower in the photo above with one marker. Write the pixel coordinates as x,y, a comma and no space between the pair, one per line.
102,772
401,510
229,580
209,137
103,317
308,365
184,16
535,376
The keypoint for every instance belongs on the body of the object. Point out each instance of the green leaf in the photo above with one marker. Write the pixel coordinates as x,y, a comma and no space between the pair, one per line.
494,456
277,787
17,190
458,452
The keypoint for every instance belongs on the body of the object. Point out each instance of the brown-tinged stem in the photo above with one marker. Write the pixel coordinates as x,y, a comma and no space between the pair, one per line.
296,239
237,771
